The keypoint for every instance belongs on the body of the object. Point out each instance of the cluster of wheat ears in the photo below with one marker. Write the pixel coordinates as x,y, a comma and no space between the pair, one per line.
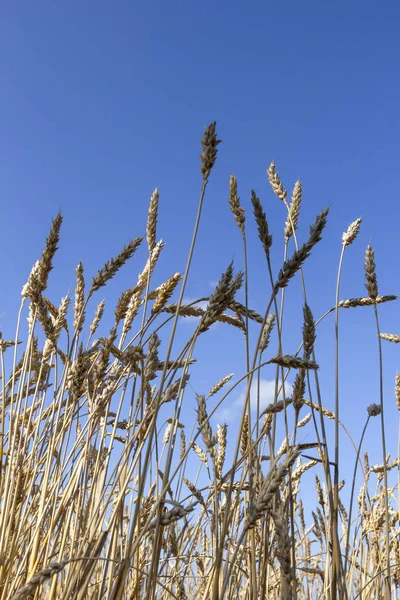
100,493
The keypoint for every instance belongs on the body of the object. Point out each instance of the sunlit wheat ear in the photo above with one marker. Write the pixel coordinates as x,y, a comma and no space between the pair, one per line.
276,183
152,360
222,431
97,317
304,421
113,266
59,323
151,228
79,314
245,436
219,385
266,333
135,300
292,265
294,211
390,337
352,232
234,203
262,223
267,423
122,304
209,143
325,411
370,274
46,262
354,302
167,434
397,390
165,291
201,454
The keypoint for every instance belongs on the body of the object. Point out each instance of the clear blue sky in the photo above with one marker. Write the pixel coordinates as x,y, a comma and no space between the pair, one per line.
102,101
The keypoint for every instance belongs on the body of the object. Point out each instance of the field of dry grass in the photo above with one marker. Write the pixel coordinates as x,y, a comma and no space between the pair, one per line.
100,494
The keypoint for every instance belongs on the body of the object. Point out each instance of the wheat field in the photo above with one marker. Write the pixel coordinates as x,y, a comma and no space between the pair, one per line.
105,493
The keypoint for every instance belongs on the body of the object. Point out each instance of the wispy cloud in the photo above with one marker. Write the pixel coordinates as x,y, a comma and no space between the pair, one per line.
266,387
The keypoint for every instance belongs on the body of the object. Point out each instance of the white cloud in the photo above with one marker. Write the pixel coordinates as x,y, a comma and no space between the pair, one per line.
228,412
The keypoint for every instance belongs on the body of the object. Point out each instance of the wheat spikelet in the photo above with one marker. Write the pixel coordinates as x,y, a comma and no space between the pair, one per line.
209,143
152,220
294,211
216,388
283,548
262,223
165,291
172,390
79,314
40,577
37,281
113,266
59,323
204,425
182,444
221,298
97,317
135,300
201,454
293,362
309,334
245,435
352,232
266,333
270,485
184,310
53,310
354,302
397,390
234,203
292,265
246,312
167,434
390,337
276,407
300,470
221,437
43,315
122,304
304,421
276,183
370,274
230,320
299,388
267,423
193,490
327,413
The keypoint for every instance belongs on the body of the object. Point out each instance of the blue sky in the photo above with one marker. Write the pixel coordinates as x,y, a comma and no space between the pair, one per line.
101,102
